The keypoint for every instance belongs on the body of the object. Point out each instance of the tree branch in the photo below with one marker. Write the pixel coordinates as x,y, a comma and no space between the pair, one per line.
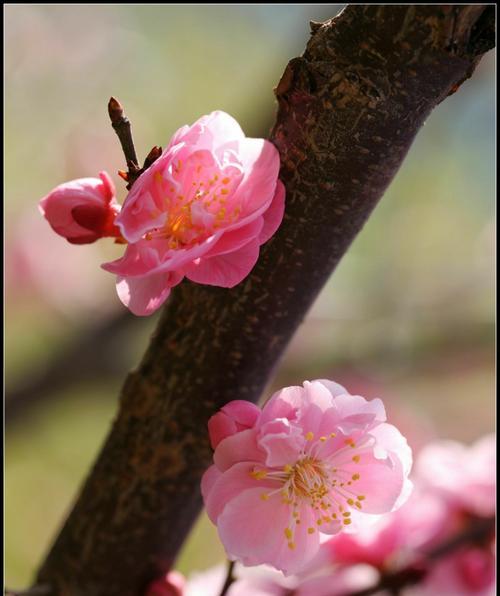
349,109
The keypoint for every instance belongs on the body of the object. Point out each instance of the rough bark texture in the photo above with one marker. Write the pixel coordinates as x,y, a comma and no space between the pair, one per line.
349,109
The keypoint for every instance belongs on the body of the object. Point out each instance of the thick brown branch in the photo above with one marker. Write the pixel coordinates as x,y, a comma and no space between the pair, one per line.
349,109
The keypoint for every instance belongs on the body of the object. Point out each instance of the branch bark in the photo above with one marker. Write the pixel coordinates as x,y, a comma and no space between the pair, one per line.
349,109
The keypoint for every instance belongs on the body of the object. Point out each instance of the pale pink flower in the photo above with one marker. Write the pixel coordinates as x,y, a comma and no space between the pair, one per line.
202,210
454,486
393,540
83,210
172,584
468,572
316,460
465,476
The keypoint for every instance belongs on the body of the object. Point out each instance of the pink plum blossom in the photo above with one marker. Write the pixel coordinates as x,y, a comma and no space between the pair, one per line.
316,460
83,210
454,485
201,211
465,476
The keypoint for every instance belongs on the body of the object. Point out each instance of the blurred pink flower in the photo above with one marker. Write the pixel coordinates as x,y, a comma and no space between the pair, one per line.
316,460
468,572
173,584
201,211
344,581
83,210
449,496
465,476
72,286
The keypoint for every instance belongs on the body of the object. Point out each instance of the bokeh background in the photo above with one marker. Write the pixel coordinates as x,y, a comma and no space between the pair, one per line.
408,315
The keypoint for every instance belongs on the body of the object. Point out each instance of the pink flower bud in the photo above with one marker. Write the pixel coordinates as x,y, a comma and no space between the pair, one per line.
235,416
172,584
83,210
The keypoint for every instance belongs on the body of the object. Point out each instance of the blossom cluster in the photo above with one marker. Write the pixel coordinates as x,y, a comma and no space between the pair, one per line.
201,211
454,492
314,461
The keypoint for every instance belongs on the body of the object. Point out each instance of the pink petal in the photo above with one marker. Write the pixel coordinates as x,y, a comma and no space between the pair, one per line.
390,439
220,427
229,485
285,403
225,270
210,131
381,482
253,530
234,239
334,388
274,215
107,189
235,416
242,411
241,447
261,163
208,480
282,442
144,295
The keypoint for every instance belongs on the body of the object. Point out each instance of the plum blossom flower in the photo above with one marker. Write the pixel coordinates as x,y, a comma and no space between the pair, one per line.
316,460
201,211
454,485
83,210
464,476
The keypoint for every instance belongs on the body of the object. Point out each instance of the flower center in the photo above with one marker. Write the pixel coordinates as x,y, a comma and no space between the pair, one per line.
307,479
324,485
198,198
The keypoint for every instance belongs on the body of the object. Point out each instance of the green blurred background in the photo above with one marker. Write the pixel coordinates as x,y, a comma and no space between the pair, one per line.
408,315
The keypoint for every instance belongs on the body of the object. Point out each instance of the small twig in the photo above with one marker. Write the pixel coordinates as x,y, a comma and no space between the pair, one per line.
229,578
123,129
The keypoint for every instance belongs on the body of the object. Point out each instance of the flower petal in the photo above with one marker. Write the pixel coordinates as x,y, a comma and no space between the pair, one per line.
226,270
241,447
229,485
144,295
253,530
274,214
